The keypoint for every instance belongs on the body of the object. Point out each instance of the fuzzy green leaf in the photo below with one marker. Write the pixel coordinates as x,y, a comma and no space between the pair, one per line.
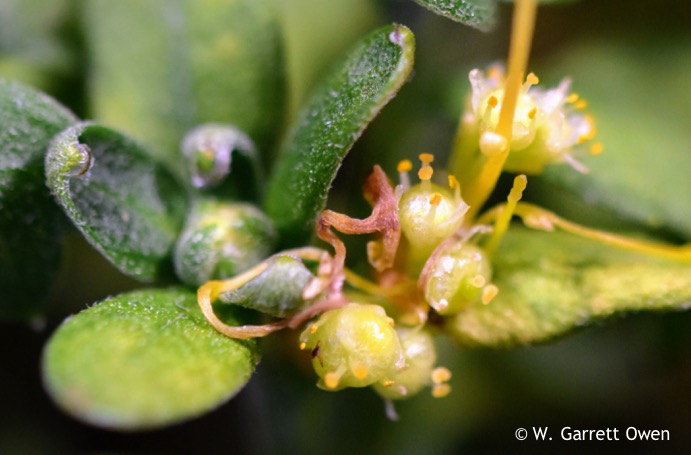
330,123
30,222
276,291
552,283
476,13
143,360
642,114
160,67
126,204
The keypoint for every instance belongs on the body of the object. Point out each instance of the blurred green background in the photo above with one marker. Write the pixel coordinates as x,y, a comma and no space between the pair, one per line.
632,371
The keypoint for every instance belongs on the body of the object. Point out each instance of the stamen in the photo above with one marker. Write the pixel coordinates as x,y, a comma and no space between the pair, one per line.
489,292
359,371
426,158
532,113
331,380
441,390
596,148
303,346
456,187
435,199
478,281
504,219
572,98
440,375
530,80
581,104
387,383
403,168
492,102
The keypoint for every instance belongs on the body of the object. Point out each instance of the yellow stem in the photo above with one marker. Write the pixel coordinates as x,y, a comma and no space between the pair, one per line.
539,218
478,190
502,222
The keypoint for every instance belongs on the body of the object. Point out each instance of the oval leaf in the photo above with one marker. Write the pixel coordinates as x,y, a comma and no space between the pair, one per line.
336,115
30,222
125,203
193,62
552,283
476,13
142,360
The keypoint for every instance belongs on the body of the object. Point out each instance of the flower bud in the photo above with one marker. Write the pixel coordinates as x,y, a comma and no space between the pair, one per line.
459,276
353,346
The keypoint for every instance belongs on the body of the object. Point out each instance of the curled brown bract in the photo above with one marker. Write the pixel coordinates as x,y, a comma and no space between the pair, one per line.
383,220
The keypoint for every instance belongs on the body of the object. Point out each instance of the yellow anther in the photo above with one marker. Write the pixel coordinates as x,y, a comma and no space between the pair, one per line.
596,148
489,292
331,380
440,375
313,328
404,166
532,79
303,346
435,199
391,322
493,101
453,183
572,98
441,390
532,113
519,185
426,158
359,371
388,383
581,104
425,173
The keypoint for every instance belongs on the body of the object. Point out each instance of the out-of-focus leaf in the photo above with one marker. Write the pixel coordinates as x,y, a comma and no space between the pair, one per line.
161,67
222,239
124,202
30,222
552,283
330,123
31,46
142,360
640,98
476,13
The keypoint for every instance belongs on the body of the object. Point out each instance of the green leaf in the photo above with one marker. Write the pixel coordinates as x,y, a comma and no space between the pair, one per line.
552,283
276,291
639,96
30,222
125,203
332,120
193,62
142,360
476,13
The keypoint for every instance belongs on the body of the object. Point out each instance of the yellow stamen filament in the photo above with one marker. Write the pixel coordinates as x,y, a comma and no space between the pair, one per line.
489,292
440,375
502,222
539,218
480,187
596,148
441,390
